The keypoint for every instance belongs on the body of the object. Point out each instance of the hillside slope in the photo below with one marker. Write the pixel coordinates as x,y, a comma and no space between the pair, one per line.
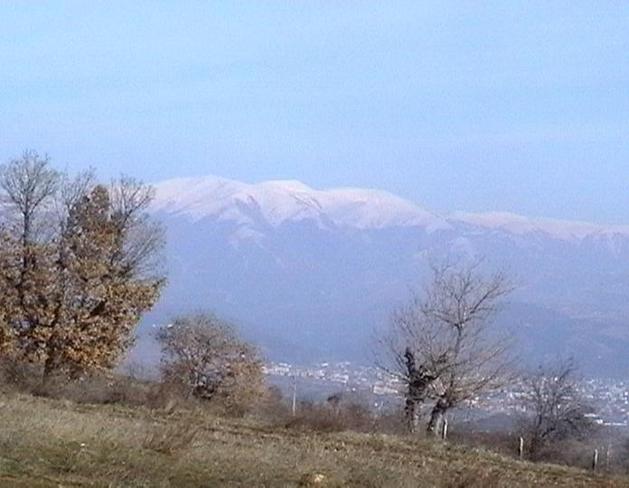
46,443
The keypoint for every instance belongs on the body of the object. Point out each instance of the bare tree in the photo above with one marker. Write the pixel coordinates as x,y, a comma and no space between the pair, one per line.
203,354
554,408
442,344
140,238
29,187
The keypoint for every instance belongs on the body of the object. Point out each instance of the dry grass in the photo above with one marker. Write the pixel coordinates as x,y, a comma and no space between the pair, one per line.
55,443
171,437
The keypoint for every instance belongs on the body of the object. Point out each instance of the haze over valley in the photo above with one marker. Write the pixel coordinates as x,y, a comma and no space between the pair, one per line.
312,275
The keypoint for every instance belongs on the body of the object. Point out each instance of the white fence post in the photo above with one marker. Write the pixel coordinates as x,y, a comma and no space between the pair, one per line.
595,460
294,404
521,448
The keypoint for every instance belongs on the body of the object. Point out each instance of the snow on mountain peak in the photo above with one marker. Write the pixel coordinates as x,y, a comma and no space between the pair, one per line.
272,203
286,185
518,224
276,202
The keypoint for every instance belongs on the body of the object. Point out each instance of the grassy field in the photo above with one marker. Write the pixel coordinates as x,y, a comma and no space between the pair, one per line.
52,443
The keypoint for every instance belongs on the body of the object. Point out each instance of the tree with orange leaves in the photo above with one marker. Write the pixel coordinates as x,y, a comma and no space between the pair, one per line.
80,264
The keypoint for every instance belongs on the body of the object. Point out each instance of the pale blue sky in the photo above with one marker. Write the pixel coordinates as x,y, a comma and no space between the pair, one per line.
520,106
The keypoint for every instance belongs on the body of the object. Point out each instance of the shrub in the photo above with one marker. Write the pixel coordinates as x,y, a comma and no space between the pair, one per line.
346,414
204,355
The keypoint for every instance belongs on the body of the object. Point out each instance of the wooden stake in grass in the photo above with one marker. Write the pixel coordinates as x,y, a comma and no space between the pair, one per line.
595,460
608,455
444,432
521,448
294,405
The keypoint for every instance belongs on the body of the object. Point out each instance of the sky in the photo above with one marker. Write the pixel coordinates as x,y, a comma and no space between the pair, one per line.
462,105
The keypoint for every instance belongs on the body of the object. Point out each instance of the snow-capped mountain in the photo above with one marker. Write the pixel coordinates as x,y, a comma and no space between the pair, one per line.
274,203
553,228
311,273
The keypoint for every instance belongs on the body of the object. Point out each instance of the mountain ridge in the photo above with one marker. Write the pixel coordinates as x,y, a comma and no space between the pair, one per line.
281,201
311,274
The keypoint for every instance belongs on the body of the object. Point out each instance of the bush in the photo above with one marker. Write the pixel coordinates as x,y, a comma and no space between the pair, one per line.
204,355
333,416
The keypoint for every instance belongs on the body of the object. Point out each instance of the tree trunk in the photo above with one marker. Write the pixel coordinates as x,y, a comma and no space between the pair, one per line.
535,446
53,362
411,411
437,416
50,365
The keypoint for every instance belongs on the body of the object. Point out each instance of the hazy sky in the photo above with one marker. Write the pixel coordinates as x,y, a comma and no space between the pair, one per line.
520,106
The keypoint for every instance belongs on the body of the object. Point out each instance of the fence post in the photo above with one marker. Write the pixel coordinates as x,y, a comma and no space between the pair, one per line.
521,448
294,404
444,432
595,460
608,455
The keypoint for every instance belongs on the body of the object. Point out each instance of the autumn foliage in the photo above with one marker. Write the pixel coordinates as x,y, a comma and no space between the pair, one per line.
79,264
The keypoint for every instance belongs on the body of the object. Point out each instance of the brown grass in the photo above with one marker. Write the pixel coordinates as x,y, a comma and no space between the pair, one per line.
171,437
52,443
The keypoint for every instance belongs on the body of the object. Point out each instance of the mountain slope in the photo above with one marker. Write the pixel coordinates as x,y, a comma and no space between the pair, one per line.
312,273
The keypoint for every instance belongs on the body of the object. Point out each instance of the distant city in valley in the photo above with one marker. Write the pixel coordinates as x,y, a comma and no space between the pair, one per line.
608,397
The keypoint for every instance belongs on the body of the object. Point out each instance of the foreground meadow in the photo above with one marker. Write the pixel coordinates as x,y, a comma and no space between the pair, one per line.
57,443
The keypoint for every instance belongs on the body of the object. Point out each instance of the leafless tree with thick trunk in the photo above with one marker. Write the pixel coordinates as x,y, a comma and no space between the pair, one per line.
442,345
